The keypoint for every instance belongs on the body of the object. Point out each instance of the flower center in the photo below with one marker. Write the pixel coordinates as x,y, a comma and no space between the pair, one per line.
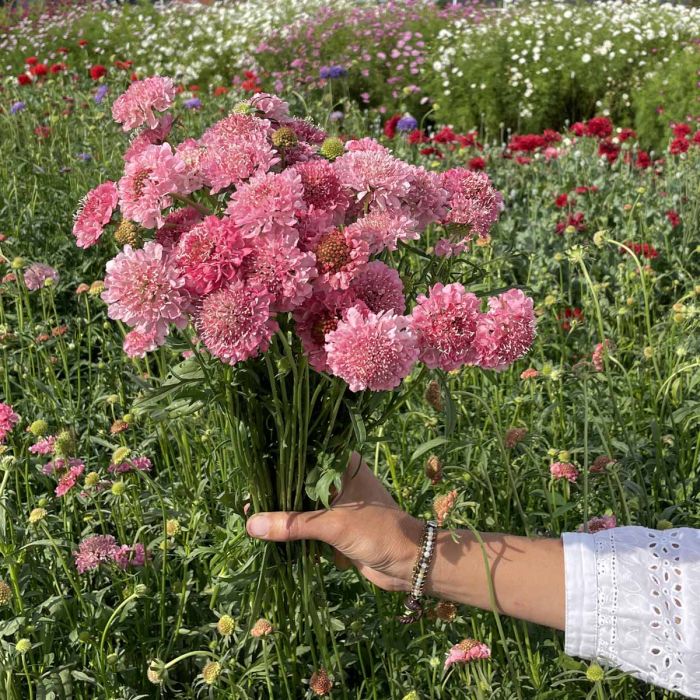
333,252
325,324
140,181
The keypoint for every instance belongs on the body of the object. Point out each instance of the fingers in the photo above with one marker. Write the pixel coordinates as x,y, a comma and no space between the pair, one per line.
287,526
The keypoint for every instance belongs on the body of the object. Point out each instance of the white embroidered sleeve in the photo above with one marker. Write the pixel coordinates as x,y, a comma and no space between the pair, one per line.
633,602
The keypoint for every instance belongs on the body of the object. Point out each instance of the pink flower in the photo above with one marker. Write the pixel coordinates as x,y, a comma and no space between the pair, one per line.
371,351
237,148
141,464
45,446
268,203
474,203
444,248
380,288
530,373
507,331
234,322
270,107
366,144
36,275
136,106
95,550
322,191
8,420
426,200
564,470
70,478
144,289
176,223
281,268
307,131
148,137
445,325
443,504
149,180
209,254
339,255
601,463
598,523
467,650
126,556
599,352
381,230
95,213
137,344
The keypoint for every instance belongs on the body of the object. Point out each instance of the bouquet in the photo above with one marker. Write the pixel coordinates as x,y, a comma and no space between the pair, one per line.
292,264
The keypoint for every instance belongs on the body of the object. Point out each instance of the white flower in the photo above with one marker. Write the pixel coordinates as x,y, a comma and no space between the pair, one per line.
586,58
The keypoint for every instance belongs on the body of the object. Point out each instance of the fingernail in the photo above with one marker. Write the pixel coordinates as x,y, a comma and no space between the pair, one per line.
258,526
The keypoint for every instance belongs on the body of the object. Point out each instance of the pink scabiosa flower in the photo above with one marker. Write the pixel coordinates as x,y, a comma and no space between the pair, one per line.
563,470
149,180
140,464
210,253
474,204
371,351
136,106
70,478
94,214
598,523
268,203
445,324
339,255
506,332
382,230
426,200
137,343
445,248
148,137
270,107
599,352
529,373
8,420
601,463
126,556
144,289
176,223
380,288
443,505
236,148
45,446
366,144
234,323
281,268
322,191
37,274
95,550
467,650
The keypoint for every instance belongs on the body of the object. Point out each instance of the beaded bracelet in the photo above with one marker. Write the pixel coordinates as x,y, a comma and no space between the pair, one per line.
412,604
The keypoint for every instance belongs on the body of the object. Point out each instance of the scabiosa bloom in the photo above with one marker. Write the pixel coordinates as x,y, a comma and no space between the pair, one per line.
381,230
17,107
321,187
176,223
514,436
45,446
380,288
507,331
8,420
234,323
95,550
371,351
70,478
320,683
95,213
426,200
137,343
406,124
137,105
145,290
475,204
366,143
261,628
192,103
445,324
149,180
282,269
564,470
673,218
100,94
37,274
339,255
599,352
268,203
209,254
598,523
270,107
150,137
126,556
467,650
443,504
601,463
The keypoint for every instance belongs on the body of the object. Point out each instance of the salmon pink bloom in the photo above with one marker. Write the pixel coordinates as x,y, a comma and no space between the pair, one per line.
37,274
69,479
142,98
467,650
564,470
339,255
95,213
380,288
137,344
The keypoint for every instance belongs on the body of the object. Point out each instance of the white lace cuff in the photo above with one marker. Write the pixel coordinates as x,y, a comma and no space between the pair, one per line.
633,602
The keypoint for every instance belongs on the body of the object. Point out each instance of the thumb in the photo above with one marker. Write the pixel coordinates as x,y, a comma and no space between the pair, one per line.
288,526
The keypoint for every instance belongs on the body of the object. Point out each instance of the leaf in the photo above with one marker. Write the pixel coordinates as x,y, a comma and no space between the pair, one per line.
428,447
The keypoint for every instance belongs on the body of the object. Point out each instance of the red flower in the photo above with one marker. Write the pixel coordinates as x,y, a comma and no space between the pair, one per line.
571,314
577,220
561,201
477,163
97,71
645,250
390,126
599,126
43,132
417,136
31,61
82,42
220,90
679,145
250,84
193,88
527,143
24,79
123,65
133,77
681,130
523,160
626,134
583,189
431,151
643,160
578,128
445,135
62,49
673,218
696,137
467,140
39,69
609,150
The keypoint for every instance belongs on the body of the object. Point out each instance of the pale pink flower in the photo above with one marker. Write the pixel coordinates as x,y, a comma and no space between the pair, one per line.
148,137
8,420
382,230
339,255
474,204
322,190
70,478
445,324
530,373
366,144
140,464
137,344
95,550
268,203
506,332
281,268
426,200
36,275
371,351
307,131
444,248
599,352
176,223
237,148
210,253
45,446
145,290
136,106
95,213
443,505
514,436
149,180
270,107
467,650
234,322
564,470
598,523
191,152
380,288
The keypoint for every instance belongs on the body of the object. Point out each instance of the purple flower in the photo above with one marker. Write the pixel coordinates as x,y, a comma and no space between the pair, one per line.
336,116
192,103
407,123
337,72
17,107
37,275
85,157
325,72
100,94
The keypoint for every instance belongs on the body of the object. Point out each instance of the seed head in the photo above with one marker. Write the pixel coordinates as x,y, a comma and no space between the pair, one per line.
119,426
446,610
332,148
92,479
211,672
5,593
284,137
18,263
225,625
595,673
23,646
320,683
172,527
120,454
433,469
96,288
127,233
65,444
156,671
433,396
37,515
38,428
118,488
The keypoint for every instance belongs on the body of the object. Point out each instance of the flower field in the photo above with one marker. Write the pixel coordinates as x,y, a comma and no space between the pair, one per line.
463,245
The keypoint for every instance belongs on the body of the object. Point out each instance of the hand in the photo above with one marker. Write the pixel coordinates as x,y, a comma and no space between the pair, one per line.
364,525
